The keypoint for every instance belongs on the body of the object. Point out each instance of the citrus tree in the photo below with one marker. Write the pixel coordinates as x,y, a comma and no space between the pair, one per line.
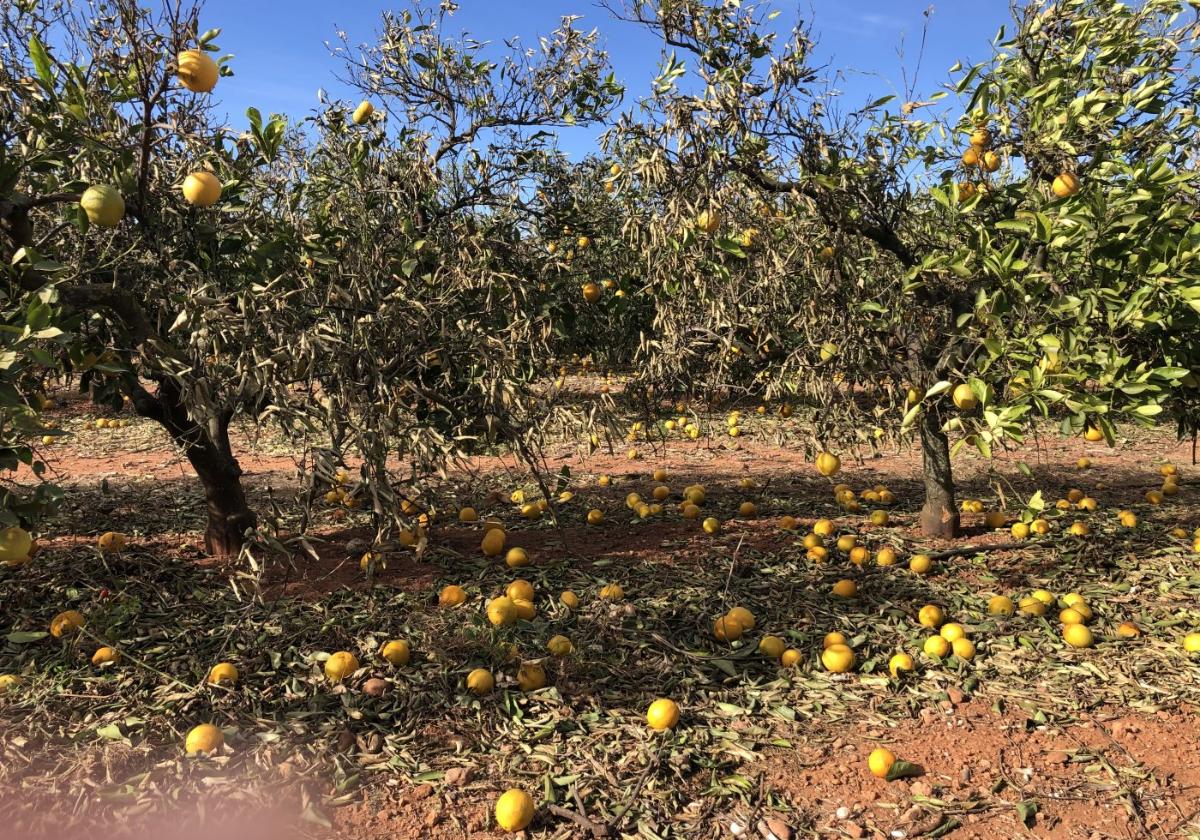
374,284
904,269
150,225
420,213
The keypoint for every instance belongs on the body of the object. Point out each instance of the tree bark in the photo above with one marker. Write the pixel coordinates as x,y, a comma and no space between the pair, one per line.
939,516
209,452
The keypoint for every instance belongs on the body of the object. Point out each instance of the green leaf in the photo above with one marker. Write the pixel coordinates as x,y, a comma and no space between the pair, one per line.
904,770
112,732
1026,811
726,666
41,63
24,637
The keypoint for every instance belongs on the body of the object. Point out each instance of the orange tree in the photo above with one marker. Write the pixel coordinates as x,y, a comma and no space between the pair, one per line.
150,225
420,215
372,284
898,272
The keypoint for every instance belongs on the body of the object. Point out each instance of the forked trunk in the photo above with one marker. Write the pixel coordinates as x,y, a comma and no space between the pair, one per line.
939,516
229,517
209,452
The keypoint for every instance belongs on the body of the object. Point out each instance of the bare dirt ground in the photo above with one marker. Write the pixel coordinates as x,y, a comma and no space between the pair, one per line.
1031,738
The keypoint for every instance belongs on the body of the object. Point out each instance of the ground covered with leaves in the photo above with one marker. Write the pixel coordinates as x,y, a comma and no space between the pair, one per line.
1032,737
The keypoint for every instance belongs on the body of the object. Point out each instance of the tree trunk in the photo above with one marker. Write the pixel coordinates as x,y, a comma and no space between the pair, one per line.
209,452
939,517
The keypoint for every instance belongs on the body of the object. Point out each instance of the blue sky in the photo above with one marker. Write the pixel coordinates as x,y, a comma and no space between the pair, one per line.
281,58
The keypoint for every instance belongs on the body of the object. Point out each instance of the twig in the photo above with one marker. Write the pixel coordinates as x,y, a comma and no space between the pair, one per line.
637,790
581,820
980,549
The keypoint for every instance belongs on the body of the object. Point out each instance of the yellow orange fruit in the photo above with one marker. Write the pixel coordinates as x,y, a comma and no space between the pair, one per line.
880,762
964,397
514,810
828,464
771,646
743,616
493,542
363,112
1066,184
833,638
104,655
222,672
111,541
728,629
1001,605
936,646
340,665
205,738
396,652
931,615
197,72
501,611
900,662
201,189
1078,635
662,714
531,676
66,623
452,596
612,592
837,659
480,681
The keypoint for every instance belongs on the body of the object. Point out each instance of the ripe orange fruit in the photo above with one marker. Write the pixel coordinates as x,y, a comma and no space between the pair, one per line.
964,397
340,665
363,112
828,464
743,616
900,662
197,72
612,592
396,652
480,681
880,762
837,659
501,611
104,655
493,542
514,810
728,629
205,738
845,588
66,623
931,615
531,676
1078,635
111,541
662,714
452,596
223,672
771,646
1065,185
201,189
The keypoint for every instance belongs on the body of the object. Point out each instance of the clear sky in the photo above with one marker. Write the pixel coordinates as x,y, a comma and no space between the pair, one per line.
281,57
